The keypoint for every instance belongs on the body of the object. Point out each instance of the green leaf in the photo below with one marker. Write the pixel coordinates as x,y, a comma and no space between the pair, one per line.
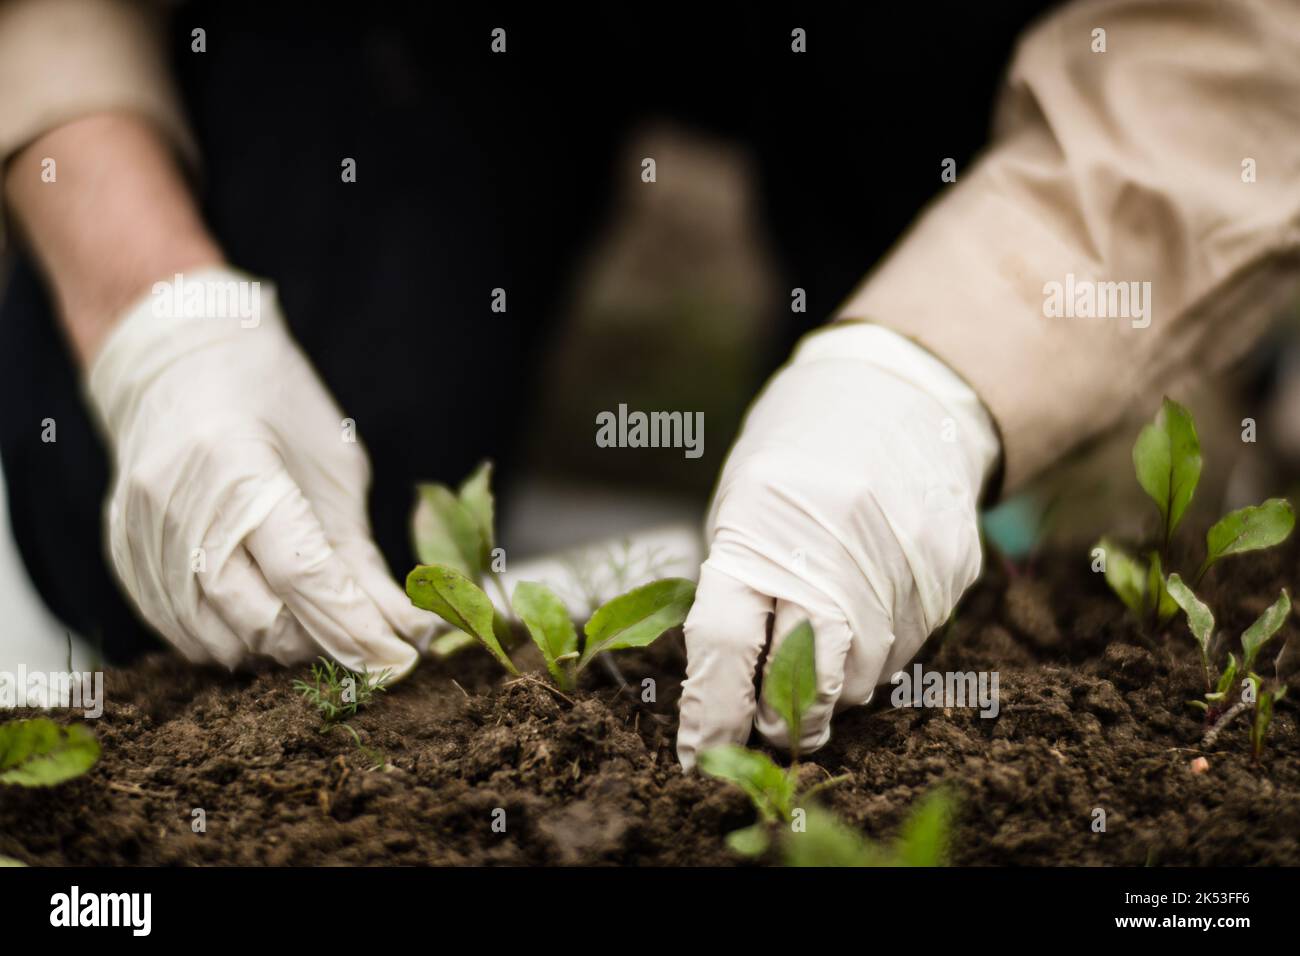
769,787
1263,717
452,642
751,841
791,684
1158,597
637,618
826,841
476,498
1249,529
446,532
1199,619
1226,680
1167,458
1125,575
924,839
41,753
10,861
550,626
1265,626
460,602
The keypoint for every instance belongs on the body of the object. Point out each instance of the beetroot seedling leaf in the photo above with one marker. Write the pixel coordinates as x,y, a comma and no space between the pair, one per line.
1167,459
751,841
1263,717
1158,599
790,687
1199,619
476,498
446,532
461,603
41,753
1249,529
1265,626
637,618
551,627
1125,575
769,787
925,836
827,841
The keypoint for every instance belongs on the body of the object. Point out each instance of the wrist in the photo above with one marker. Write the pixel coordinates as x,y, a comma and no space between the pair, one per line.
116,217
968,423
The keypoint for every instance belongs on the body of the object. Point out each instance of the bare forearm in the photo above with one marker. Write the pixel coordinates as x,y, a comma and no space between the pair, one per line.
117,217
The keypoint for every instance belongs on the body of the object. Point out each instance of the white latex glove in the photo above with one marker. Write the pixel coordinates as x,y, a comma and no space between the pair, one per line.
226,441
849,500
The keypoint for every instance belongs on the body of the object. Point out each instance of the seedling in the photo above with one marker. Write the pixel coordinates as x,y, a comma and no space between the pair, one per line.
923,840
41,753
1167,460
456,544
456,529
810,835
634,619
338,693
1262,694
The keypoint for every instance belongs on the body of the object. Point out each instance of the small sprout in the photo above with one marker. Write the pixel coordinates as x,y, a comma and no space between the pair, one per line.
1263,717
1125,576
1219,713
1167,458
338,693
551,627
790,688
769,787
1167,461
1265,626
1199,766
923,840
453,528
461,603
637,618
41,753
1199,619
1249,529
455,539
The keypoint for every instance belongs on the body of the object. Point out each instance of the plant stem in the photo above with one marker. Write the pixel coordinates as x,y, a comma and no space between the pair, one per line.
505,599
1231,714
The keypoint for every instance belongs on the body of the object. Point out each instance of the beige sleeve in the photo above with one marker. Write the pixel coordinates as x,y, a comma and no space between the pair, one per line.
1132,165
63,59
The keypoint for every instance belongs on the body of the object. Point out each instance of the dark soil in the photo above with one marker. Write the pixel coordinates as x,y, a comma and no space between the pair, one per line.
1089,719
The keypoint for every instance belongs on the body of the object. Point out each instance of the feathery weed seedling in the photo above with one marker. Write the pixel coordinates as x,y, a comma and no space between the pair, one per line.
338,693
1167,460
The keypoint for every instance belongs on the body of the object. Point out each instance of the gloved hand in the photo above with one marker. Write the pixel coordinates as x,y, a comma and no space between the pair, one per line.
237,519
849,500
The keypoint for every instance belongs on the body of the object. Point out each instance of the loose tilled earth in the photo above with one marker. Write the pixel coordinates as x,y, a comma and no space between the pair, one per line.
1089,718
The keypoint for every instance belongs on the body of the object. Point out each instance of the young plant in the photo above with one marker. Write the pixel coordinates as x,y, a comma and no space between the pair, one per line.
456,529
809,835
923,840
1263,694
338,693
634,619
1167,460
41,753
